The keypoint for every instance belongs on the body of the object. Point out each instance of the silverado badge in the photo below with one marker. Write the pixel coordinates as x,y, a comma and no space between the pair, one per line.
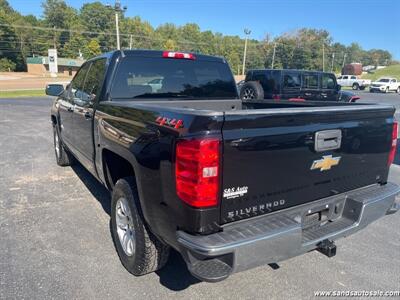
326,163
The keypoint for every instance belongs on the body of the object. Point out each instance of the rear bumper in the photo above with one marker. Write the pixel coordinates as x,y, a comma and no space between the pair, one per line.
281,235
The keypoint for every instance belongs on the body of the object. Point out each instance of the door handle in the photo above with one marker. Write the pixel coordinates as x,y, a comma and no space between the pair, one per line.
328,140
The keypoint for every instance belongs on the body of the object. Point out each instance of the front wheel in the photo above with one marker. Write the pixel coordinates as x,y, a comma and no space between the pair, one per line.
355,86
138,249
63,157
387,90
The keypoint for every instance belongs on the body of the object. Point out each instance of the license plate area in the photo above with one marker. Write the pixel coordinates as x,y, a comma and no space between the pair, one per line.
322,215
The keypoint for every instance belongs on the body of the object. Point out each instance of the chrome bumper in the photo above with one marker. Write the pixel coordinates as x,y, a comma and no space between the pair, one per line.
284,234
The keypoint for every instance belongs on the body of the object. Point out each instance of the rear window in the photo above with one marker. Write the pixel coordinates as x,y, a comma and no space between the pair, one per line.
151,78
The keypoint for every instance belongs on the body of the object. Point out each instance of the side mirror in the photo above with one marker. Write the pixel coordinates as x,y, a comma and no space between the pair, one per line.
338,87
54,89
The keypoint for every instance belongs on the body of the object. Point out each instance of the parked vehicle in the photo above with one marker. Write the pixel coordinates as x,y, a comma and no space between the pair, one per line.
353,81
352,69
229,185
289,84
385,84
348,96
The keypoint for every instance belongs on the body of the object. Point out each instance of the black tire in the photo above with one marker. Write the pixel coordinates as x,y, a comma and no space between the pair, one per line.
387,90
150,254
398,90
251,90
63,157
371,91
356,86
362,88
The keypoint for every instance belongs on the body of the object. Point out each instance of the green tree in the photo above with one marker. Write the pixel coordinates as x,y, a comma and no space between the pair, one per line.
91,49
7,65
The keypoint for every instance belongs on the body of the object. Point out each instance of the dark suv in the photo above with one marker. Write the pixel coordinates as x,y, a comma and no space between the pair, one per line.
289,84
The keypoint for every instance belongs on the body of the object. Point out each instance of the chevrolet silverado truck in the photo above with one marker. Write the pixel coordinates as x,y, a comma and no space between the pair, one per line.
229,184
353,81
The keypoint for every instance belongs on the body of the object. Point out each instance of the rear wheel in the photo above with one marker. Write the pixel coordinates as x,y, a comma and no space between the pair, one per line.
356,86
63,157
139,250
398,90
251,90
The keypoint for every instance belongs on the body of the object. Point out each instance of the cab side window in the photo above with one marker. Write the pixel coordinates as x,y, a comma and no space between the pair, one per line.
94,80
353,77
76,86
328,81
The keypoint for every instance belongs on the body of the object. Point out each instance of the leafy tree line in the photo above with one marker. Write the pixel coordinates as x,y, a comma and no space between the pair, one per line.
91,30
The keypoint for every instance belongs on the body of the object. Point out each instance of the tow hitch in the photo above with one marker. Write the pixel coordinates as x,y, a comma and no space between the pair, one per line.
327,247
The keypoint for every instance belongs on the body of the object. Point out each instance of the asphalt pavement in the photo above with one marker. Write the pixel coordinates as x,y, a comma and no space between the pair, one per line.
55,239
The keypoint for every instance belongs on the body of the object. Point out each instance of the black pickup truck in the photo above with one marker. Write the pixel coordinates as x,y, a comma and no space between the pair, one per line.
229,184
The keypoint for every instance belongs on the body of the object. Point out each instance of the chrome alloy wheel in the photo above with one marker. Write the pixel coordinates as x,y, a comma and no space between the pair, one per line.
125,229
248,94
57,144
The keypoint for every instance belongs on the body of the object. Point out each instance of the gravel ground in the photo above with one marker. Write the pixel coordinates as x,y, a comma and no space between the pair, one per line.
55,240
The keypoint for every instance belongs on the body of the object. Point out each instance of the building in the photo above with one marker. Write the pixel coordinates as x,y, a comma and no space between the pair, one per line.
40,65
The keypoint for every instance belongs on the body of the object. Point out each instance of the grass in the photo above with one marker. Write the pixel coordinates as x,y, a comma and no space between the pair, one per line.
22,93
390,71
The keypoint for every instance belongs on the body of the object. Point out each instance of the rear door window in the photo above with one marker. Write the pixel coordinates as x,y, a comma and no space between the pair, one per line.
310,81
291,81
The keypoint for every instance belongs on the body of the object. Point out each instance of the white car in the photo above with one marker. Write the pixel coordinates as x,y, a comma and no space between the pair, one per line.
385,84
353,81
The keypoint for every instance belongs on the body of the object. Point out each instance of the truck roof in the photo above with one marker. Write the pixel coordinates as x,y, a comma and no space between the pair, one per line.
158,53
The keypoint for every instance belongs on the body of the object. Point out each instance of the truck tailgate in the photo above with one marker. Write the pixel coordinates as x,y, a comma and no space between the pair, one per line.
270,161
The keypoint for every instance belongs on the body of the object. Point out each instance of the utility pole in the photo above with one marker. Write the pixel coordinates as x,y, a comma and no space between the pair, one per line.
117,9
54,38
333,58
130,42
344,59
323,57
273,57
247,33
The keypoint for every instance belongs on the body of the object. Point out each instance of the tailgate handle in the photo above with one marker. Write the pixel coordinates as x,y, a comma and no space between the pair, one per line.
328,140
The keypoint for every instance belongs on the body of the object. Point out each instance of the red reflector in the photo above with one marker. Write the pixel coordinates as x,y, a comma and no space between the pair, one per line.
197,172
178,55
276,97
297,100
393,147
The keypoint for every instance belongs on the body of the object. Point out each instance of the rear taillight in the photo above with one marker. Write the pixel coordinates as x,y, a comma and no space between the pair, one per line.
178,55
197,171
393,147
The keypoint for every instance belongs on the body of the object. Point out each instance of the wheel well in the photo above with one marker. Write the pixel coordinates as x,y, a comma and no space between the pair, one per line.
115,167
